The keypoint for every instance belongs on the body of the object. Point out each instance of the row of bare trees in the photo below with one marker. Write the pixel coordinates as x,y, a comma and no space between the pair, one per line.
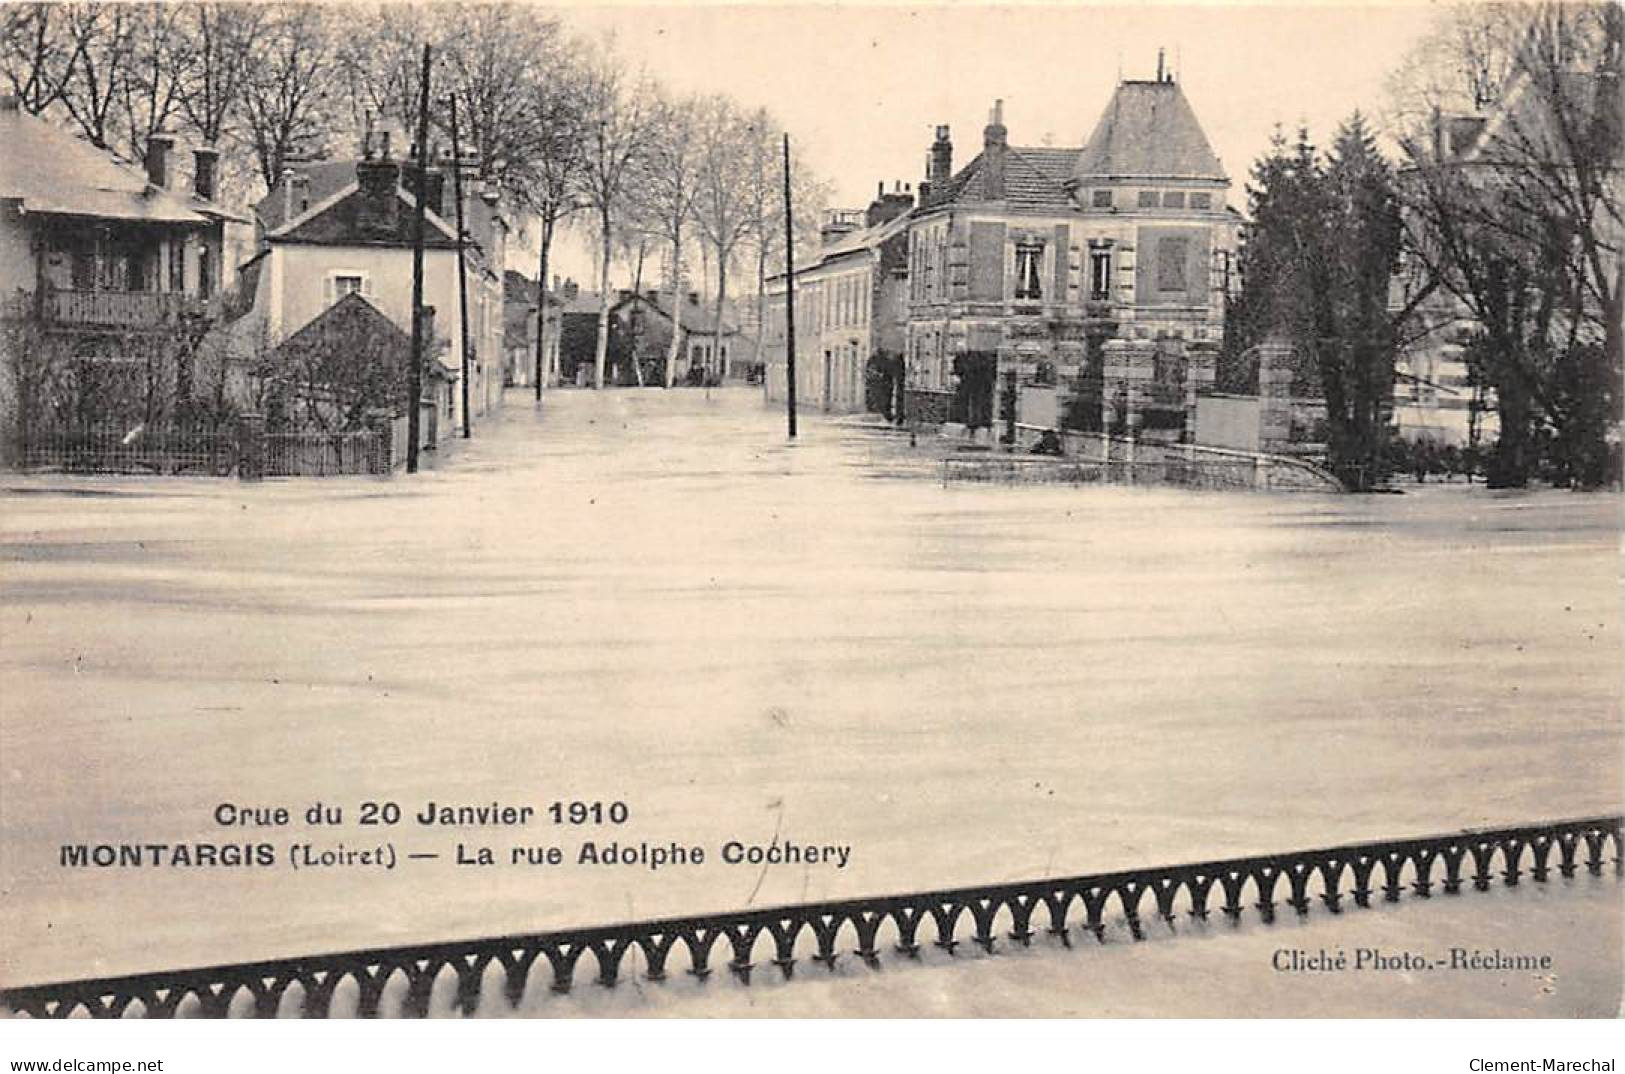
571,130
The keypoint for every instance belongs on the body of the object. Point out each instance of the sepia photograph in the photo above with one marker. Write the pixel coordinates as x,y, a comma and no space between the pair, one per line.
840,511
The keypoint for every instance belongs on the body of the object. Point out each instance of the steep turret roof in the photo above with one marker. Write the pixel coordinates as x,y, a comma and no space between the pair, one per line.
1148,130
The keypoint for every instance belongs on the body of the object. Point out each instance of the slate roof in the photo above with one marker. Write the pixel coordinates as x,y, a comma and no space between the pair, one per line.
584,302
699,317
350,314
1148,130
1034,178
862,239
53,171
337,224
326,178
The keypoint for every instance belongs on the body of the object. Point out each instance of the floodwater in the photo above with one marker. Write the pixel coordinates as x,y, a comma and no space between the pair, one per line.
652,598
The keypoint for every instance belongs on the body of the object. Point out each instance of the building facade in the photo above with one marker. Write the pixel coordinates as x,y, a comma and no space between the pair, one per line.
334,228
110,276
1073,288
851,304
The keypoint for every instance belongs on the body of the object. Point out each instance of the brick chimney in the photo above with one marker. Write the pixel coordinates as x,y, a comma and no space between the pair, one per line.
380,207
995,140
941,167
205,171
887,206
158,147
435,192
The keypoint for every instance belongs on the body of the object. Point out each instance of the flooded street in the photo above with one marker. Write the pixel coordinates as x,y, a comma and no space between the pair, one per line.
649,598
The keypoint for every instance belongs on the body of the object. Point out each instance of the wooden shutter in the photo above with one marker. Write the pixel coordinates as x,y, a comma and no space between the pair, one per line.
1063,261
986,262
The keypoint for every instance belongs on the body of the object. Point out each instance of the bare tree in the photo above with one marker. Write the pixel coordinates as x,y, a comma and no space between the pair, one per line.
291,95
150,90
101,36
617,133
224,41
1522,225
492,56
38,52
378,61
668,184
723,209
548,177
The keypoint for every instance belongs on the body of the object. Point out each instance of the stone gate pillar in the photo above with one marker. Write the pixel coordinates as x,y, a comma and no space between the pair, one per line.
1275,368
250,446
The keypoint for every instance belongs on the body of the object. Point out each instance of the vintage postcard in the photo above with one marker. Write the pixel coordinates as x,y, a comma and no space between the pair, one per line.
834,511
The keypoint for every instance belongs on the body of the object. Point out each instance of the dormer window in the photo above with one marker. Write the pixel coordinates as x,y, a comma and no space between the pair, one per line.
1174,199
1148,199
1102,199
1028,284
1201,200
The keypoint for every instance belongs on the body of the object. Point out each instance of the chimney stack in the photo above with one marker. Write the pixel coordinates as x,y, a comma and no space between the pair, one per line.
888,206
378,179
942,159
205,168
995,139
158,147
287,194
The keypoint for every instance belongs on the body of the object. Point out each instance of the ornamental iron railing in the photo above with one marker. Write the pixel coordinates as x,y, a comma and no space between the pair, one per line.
479,974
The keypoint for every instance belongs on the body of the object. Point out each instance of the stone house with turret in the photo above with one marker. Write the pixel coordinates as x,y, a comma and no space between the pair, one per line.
1087,285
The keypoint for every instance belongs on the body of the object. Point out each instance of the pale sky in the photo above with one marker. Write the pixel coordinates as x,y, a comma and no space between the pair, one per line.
861,86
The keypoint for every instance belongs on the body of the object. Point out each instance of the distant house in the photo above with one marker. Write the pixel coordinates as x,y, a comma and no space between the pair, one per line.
520,312
106,275
578,334
641,328
336,228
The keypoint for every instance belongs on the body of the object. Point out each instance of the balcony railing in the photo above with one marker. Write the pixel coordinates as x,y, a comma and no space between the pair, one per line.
119,309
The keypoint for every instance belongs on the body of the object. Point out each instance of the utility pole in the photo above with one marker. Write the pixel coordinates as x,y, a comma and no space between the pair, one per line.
414,375
462,267
789,298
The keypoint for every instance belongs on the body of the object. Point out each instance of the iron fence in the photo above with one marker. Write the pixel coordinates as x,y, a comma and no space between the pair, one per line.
139,449
323,454
402,981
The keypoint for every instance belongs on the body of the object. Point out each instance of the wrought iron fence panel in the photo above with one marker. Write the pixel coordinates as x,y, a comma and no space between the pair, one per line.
139,449
476,974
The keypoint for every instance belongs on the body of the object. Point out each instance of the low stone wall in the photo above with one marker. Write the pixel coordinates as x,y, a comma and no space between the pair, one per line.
1277,472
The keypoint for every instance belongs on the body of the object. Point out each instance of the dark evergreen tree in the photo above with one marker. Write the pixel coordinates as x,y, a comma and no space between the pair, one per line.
1321,246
